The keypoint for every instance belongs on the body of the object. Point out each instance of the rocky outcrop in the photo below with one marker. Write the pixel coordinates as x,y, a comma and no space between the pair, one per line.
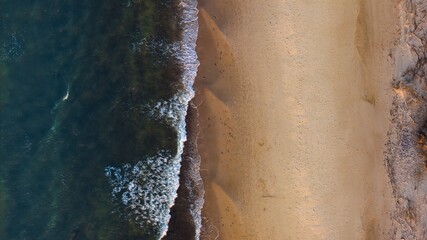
407,146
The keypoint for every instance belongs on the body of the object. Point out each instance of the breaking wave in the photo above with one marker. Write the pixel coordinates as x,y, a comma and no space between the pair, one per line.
148,188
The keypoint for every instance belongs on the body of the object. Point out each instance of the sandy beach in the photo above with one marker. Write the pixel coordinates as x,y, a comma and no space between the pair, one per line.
294,100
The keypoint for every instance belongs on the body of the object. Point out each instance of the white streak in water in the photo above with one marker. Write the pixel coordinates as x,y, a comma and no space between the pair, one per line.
67,94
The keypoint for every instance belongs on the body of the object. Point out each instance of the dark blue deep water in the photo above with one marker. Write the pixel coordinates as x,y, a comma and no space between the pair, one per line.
93,95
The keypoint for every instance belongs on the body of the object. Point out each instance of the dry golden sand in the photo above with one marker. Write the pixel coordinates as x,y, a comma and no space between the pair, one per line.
294,109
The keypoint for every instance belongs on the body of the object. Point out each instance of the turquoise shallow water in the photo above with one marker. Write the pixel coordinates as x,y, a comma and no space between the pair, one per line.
91,113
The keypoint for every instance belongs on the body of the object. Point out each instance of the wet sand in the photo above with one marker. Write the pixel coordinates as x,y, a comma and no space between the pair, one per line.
294,100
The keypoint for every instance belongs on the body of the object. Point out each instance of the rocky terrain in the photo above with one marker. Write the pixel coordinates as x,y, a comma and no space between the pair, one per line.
407,146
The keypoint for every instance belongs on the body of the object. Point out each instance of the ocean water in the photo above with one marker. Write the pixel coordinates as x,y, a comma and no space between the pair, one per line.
93,100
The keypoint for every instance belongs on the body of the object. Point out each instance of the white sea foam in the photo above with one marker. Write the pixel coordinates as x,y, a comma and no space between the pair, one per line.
148,188
156,45
145,188
11,48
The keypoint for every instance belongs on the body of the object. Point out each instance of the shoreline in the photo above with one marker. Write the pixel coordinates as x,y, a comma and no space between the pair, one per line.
294,113
185,222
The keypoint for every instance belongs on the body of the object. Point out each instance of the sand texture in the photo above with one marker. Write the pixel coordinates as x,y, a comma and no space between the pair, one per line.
294,98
